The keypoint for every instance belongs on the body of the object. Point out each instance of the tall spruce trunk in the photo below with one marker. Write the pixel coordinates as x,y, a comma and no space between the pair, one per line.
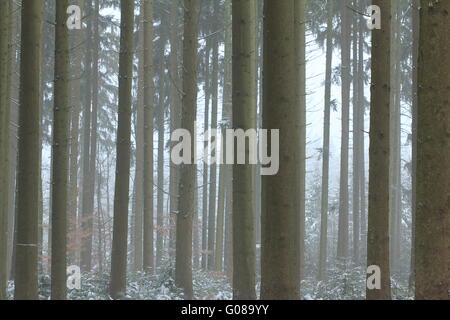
76,104
280,277
86,215
432,222
60,154
160,127
26,262
94,125
205,188
343,225
362,132
356,145
148,259
117,287
175,119
183,264
300,24
139,176
213,170
5,77
326,146
244,118
414,109
378,219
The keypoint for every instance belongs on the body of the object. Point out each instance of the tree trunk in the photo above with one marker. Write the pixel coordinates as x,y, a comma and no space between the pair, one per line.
414,107
356,145
139,176
432,223
5,77
213,169
395,152
326,146
280,278
206,89
26,264
148,136
343,238
60,156
120,229
74,141
86,215
183,265
378,219
160,171
244,118
362,132
94,125
300,20
175,119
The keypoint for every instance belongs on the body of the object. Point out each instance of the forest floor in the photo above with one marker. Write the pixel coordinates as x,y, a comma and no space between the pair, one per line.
349,285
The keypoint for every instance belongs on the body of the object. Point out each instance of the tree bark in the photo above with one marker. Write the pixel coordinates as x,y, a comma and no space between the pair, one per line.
183,264
244,118
60,150
326,146
175,119
378,219
5,77
26,262
280,278
120,230
432,222
343,232
148,260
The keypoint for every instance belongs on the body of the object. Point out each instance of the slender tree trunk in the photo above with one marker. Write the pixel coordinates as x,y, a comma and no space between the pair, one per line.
280,278
26,262
206,89
343,233
356,145
395,152
326,146
361,128
14,71
378,222
74,140
94,125
415,58
86,215
120,229
175,119
183,265
244,118
99,218
139,176
432,222
161,129
5,77
214,107
148,136
60,150
300,20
